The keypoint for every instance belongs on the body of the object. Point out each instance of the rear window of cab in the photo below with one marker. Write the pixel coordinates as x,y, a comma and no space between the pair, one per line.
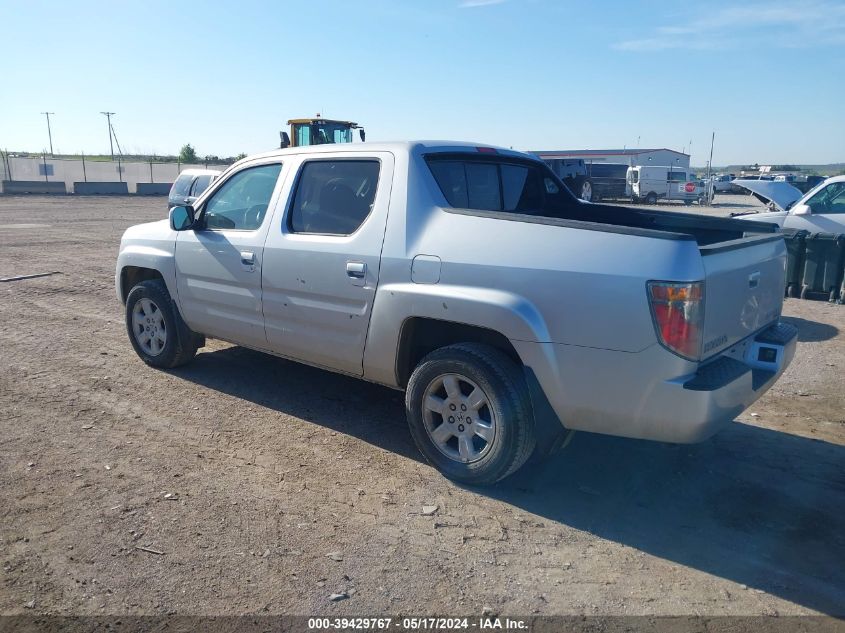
492,185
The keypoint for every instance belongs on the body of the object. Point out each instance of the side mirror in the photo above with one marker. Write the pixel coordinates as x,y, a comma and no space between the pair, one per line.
181,218
802,209
284,140
362,134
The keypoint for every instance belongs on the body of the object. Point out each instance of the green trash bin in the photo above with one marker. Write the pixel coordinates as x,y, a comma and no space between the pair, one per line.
823,265
796,246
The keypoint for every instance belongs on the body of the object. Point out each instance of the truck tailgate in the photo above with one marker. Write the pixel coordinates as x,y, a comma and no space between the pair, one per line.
744,288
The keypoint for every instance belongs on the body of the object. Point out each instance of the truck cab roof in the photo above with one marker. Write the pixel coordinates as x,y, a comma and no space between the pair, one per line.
407,147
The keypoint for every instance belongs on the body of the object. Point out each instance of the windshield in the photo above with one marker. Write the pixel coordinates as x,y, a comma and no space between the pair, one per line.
326,133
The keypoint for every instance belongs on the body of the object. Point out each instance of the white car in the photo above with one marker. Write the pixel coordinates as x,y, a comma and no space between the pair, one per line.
822,209
722,183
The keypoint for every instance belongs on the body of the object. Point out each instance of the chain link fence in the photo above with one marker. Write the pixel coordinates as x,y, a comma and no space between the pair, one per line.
46,174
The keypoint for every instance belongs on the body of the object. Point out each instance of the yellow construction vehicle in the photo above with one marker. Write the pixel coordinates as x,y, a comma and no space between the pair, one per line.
319,131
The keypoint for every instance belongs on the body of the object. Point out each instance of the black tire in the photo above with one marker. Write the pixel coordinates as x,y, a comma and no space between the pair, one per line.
180,344
503,384
651,198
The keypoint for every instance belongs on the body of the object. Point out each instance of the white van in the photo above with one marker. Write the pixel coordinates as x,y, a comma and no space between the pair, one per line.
650,183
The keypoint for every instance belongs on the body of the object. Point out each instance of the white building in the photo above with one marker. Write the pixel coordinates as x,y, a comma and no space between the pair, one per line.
660,156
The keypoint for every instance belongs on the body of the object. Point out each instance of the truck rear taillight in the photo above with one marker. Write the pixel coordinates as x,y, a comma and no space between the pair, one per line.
678,312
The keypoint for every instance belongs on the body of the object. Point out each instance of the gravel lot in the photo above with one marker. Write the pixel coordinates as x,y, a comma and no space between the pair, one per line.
723,205
255,485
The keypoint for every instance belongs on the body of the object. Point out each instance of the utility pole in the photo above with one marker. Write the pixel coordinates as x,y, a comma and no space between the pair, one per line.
49,132
710,165
111,145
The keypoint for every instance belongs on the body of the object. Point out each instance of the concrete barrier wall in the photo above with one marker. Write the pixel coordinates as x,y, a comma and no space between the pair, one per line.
72,171
100,188
153,188
33,186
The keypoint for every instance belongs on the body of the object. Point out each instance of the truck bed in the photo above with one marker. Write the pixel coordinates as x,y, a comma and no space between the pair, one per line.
706,230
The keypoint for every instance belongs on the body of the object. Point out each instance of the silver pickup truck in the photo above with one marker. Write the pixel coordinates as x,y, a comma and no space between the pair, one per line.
510,312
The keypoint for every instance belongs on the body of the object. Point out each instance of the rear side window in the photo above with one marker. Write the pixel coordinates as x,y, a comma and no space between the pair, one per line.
494,186
182,185
201,184
333,197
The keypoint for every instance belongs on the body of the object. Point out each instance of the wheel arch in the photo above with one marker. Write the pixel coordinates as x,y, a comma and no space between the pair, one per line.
419,336
133,275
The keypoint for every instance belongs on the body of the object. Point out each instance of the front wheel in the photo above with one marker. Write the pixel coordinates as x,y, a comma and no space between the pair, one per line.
651,198
469,413
157,332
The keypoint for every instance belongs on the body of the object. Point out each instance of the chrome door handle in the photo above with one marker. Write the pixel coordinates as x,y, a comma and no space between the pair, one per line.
356,270
248,258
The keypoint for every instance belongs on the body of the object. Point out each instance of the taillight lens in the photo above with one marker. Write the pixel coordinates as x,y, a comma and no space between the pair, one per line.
678,311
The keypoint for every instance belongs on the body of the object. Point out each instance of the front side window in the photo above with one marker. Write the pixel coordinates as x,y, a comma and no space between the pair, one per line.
494,185
831,199
241,202
333,197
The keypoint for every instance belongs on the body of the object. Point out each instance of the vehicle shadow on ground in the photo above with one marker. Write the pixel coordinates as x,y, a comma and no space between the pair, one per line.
759,507
370,412
811,331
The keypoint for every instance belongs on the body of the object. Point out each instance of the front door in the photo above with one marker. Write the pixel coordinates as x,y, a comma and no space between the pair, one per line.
218,264
321,261
827,211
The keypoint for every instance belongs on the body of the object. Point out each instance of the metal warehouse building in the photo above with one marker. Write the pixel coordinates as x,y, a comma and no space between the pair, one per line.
660,156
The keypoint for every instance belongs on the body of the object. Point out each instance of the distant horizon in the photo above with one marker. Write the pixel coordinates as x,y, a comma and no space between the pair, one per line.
223,160
513,73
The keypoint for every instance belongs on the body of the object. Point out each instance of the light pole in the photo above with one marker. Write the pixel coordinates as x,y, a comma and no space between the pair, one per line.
49,132
111,145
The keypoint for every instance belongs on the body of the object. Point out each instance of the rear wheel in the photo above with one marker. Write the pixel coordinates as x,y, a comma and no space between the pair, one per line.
156,330
469,413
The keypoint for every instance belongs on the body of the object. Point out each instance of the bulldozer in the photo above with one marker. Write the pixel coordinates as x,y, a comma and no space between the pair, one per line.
319,131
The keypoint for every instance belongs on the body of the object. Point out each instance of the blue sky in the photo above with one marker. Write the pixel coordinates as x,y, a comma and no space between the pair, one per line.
531,74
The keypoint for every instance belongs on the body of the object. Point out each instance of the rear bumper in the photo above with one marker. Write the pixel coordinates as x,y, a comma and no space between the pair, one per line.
654,394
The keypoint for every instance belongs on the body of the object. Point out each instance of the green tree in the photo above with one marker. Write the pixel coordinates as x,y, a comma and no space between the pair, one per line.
188,154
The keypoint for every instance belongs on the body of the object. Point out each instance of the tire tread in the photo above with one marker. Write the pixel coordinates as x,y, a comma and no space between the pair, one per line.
185,340
517,398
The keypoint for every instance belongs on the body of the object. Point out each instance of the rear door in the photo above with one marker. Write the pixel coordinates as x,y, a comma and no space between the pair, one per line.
218,264
321,261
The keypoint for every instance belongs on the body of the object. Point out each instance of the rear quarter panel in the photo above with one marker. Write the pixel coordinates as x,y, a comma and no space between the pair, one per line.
529,281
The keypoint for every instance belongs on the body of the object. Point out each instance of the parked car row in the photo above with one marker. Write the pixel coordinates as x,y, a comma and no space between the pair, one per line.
820,209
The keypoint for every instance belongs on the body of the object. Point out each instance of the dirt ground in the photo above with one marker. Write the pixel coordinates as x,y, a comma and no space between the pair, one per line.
256,485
